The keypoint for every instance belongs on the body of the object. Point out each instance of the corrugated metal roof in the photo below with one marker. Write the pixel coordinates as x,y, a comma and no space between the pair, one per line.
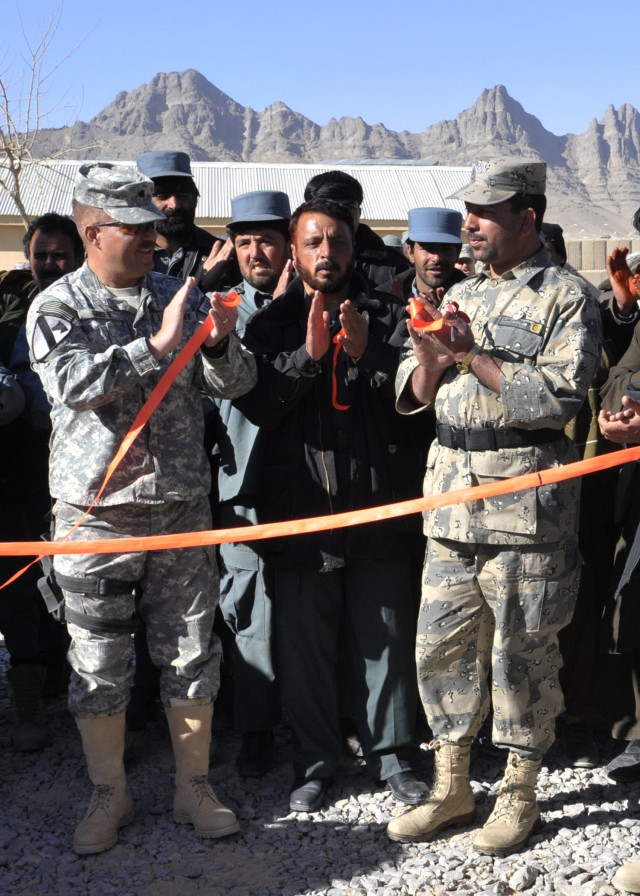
389,190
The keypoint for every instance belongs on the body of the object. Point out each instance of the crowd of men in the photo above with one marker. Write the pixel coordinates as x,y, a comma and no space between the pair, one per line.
338,373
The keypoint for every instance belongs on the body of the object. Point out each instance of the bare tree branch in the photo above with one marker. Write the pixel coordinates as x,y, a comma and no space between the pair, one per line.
22,112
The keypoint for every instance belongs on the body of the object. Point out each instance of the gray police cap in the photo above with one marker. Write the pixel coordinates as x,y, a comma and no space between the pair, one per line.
259,206
119,190
496,180
165,163
435,225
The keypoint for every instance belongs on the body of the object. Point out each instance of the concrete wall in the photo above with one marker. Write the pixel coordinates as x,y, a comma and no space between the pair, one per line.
11,245
589,257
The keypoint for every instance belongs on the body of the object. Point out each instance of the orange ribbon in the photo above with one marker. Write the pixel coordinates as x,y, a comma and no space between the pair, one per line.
334,375
318,524
419,323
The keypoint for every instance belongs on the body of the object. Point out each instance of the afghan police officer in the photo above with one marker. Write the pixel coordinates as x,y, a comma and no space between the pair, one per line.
100,339
500,574
182,248
259,230
433,242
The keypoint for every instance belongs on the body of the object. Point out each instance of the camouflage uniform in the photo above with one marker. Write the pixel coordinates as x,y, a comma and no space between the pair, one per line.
89,346
501,574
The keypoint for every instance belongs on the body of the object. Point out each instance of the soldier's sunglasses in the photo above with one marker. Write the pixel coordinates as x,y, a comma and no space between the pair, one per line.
129,229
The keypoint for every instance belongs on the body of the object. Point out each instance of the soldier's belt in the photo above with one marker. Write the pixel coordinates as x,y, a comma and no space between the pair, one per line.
491,439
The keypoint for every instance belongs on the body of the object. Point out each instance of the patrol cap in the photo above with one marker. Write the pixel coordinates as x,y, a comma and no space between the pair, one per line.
466,253
165,163
120,190
259,206
495,180
392,241
434,225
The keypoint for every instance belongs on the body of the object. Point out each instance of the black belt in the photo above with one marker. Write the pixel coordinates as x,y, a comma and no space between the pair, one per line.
492,439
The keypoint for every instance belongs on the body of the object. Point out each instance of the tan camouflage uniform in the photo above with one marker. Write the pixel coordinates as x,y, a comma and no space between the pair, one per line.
501,574
89,347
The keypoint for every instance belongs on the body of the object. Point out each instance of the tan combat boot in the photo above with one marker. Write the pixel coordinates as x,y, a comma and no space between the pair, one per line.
111,805
515,815
195,801
627,878
449,803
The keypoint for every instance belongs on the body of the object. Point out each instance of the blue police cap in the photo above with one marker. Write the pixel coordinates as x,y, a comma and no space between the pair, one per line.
435,225
259,205
164,163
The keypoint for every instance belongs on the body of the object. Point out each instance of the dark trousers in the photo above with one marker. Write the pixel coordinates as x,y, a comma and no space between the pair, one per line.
372,599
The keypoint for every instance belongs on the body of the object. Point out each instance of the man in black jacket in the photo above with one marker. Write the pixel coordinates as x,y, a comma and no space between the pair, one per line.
328,351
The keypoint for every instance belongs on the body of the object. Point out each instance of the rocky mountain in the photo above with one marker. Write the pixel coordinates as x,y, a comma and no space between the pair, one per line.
594,178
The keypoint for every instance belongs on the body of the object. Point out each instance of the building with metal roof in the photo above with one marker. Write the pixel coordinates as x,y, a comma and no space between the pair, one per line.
390,190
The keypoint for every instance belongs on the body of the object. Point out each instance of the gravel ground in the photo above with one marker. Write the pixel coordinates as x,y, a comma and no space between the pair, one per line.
591,827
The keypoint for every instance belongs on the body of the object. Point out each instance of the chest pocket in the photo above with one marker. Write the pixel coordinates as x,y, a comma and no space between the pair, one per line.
106,328
517,337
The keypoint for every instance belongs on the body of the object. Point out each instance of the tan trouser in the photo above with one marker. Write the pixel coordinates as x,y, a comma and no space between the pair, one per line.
492,614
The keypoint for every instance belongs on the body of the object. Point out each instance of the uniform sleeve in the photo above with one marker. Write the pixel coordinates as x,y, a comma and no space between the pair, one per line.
406,402
72,372
233,373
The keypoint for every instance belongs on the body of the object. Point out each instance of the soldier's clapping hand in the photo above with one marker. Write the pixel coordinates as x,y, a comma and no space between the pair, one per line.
169,336
224,317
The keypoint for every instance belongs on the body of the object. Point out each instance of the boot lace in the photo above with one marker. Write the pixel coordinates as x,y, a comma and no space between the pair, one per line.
505,803
100,798
202,788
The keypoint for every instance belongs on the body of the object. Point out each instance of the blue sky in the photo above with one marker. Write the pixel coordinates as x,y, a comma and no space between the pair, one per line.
405,65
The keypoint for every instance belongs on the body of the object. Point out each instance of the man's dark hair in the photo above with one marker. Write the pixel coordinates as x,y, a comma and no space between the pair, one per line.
235,230
323,207
54,223
336,185
537,202
636,220
173,185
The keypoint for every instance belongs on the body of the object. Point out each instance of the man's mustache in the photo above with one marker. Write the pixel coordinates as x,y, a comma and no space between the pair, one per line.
327,266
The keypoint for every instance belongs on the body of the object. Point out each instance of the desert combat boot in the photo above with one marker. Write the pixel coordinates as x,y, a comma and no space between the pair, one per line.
449,803
195,801
515,815
111,806
627,878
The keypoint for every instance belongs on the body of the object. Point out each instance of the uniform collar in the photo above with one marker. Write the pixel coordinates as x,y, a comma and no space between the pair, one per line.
523,272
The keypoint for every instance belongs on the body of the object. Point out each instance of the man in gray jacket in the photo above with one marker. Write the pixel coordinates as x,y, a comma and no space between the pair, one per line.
259,230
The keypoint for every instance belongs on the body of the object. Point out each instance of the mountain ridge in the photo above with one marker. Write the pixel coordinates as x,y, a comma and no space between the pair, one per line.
593,177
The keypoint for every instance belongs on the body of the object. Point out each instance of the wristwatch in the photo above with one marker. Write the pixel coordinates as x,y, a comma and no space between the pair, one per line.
464,366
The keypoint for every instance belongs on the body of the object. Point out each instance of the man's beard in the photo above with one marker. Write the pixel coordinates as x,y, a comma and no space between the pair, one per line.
337,285
177,225
264,280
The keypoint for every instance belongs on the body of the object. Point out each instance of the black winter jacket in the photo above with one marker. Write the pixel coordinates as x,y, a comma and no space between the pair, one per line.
319,460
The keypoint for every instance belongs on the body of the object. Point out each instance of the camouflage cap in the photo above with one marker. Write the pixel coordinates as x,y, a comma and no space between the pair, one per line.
121,191
495,180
